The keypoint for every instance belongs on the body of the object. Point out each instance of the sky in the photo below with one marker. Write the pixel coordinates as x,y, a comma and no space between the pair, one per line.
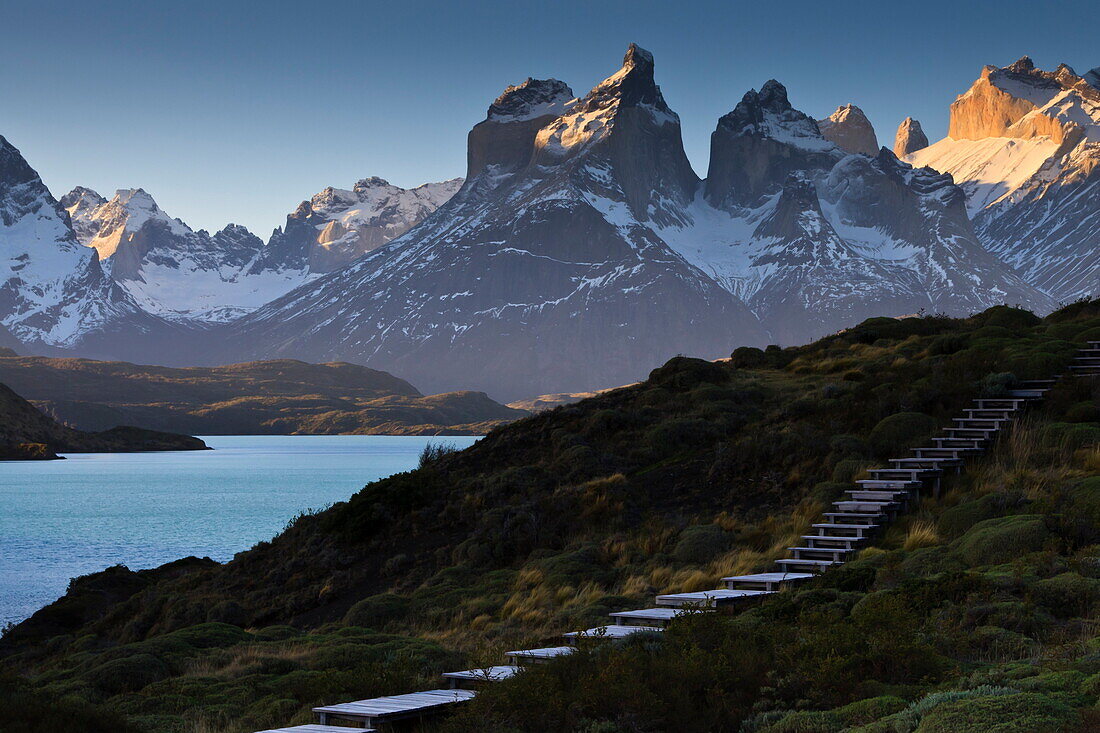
235,111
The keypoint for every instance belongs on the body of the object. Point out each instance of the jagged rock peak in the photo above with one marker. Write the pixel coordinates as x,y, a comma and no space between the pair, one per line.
532,99
631,86
82,198
910,138
850,129
768,113
1022,65
1093,77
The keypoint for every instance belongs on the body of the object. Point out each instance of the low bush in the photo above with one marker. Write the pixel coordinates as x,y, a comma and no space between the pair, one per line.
1024,712
1001,540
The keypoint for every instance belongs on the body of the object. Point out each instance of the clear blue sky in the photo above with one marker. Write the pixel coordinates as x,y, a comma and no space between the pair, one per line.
231,111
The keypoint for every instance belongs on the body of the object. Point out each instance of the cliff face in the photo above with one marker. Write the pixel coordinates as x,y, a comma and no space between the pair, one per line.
1023,102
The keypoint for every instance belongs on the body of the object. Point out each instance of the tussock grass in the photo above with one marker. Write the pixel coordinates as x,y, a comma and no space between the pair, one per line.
921,534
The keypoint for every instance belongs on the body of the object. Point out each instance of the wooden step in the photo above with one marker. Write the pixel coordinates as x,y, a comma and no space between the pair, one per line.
1003,413
526,657
980,422
864,505
608,632
806,565
826,541
873,495
650,616
987,403
971,432
868,518
859,530
926,462
707,598
392,707
968,443
956,453
764,581
497,673
836,554
904,474
896,485
1033,394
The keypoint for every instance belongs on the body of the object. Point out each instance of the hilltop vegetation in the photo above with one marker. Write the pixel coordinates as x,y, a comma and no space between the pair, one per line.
982,598
279,397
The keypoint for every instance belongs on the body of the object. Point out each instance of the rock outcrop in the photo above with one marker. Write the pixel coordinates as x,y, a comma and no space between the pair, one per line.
850,130
910,138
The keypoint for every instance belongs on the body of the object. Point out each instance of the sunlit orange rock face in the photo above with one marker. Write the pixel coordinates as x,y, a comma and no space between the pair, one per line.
1023,102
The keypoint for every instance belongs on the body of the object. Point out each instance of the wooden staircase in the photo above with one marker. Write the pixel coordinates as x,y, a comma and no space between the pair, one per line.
847,527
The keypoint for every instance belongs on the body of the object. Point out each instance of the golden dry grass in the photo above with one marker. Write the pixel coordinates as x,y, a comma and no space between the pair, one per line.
921,534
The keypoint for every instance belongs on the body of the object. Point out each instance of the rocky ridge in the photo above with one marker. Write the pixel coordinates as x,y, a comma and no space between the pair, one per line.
1024,144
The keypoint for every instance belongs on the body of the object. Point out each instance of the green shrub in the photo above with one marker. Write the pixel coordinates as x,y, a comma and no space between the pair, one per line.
1068,594
701,543
846,470
954,522
210,635
1083,412
128,674
748,357
1069,436
1000,644
1023,712
1001,540
901,430
870,710
377,611
806,721
683,373
1007,317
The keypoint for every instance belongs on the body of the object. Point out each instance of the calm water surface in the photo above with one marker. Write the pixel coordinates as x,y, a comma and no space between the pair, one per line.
61,519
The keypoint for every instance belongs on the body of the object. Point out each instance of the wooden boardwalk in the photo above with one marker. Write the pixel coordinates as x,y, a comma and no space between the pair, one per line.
847,527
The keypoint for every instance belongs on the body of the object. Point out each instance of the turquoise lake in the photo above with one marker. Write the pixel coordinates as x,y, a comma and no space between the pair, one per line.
61,519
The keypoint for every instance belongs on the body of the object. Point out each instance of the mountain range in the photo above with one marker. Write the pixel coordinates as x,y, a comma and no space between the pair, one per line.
581,247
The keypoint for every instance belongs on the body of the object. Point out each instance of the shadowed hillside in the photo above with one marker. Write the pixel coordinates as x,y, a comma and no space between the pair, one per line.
703,470
27,434
281,397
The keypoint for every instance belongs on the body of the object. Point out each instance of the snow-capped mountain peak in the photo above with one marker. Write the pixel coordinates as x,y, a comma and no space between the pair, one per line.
53,292
337,225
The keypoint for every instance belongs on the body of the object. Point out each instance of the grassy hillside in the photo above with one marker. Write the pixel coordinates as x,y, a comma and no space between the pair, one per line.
27,434
265,397
703,470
